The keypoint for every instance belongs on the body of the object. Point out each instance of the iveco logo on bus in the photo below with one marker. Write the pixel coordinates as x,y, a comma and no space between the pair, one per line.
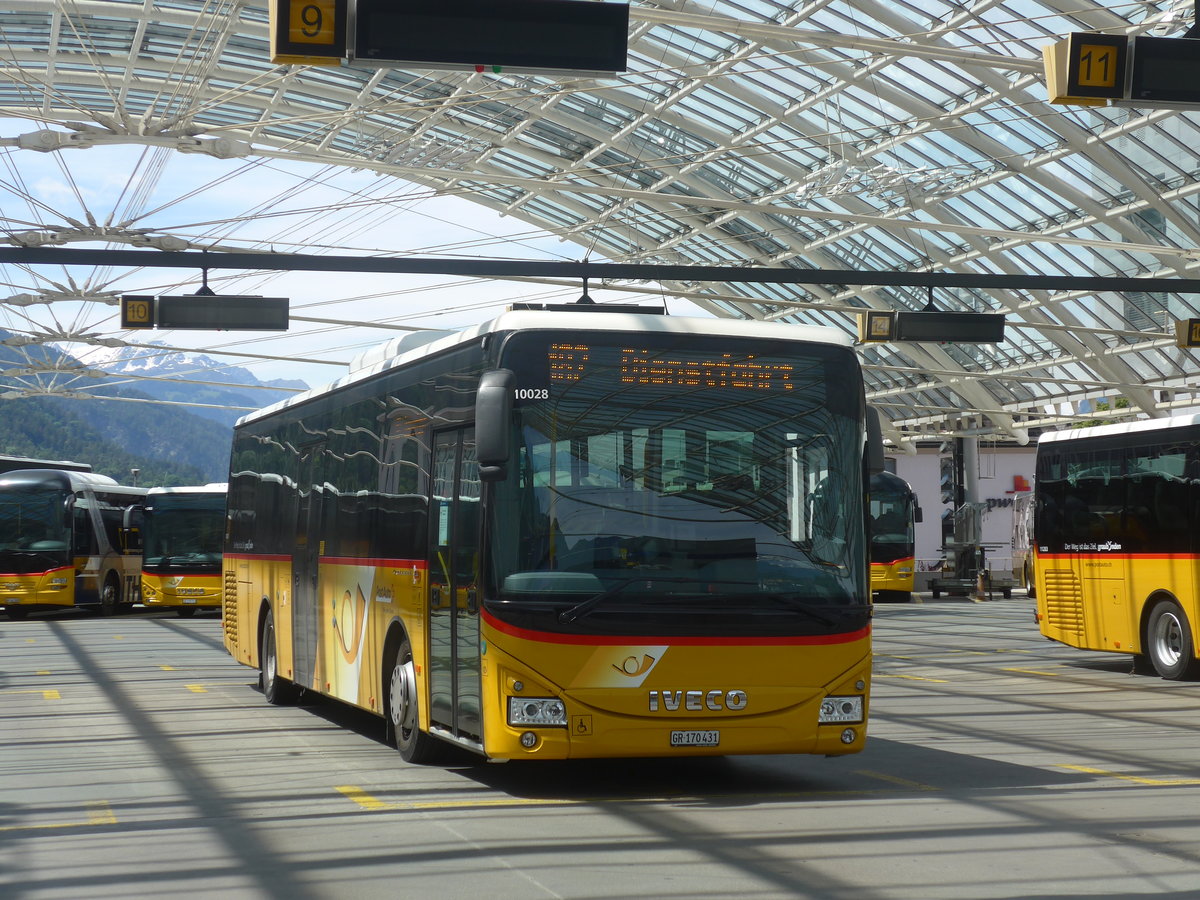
697,701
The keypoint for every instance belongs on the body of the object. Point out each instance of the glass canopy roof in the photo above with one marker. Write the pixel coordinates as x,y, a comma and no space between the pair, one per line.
866,135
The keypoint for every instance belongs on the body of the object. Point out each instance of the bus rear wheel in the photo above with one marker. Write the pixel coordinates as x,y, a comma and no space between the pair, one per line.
277,690
1169,642
403,709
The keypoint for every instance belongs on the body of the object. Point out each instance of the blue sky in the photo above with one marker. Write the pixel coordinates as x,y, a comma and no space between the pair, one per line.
259,203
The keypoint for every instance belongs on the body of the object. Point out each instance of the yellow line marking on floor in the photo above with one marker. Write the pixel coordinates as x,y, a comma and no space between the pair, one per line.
46,694
30,641
1034,672
1136,779
196,688
902,782
167,668
43,671
370,803
99,813
362,798
911,678
118,637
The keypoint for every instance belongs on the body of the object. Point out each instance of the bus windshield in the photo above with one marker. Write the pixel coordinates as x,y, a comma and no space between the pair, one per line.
892,515
33,528
715,489
184,531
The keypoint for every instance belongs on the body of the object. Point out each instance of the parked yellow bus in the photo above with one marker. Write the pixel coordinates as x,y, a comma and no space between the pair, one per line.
67,539
1022,541
567,533
894,512
182,538
1115,535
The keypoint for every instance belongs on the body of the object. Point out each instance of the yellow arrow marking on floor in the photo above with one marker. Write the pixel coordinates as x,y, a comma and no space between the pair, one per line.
196,688
46,695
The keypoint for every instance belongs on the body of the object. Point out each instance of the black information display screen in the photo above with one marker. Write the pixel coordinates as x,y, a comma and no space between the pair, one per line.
562,35
223,313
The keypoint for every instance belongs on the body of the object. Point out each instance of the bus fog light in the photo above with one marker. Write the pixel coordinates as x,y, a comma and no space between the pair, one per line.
528,740
849,735
840,709
536,711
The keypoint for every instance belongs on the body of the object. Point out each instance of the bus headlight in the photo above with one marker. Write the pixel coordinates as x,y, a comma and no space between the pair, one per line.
536,711
840,709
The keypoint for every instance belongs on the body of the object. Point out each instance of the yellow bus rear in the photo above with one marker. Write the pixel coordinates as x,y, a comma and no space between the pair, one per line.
1116,554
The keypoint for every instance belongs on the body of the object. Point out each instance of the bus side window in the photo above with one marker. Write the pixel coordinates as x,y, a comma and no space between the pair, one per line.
84,537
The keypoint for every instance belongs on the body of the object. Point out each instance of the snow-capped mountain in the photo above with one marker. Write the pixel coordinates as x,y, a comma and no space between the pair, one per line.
158,360
91,406
220,390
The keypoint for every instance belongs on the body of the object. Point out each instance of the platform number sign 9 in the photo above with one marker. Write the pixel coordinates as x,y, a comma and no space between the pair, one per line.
308,32
311,22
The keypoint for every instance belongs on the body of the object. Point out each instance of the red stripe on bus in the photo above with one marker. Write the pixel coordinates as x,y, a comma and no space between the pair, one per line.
35,574
181,573
377,563
1129,557
553,637
902,559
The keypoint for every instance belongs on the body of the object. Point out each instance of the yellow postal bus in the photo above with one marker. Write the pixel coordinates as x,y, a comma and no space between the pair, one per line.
894,512
182,539
67,539
567,533
1116,518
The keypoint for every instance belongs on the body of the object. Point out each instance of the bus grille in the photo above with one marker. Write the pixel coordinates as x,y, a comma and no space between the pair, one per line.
229,610
1064,601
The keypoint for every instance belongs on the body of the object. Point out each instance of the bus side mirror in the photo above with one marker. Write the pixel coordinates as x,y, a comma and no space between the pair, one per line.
131,528
68,510
132,517
493,423
917,517
874,455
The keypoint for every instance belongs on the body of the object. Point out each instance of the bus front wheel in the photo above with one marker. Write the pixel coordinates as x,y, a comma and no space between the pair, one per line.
1169,642
404,711
276,689
110,596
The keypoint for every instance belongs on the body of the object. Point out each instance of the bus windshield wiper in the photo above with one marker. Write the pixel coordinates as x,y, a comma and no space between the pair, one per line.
567,616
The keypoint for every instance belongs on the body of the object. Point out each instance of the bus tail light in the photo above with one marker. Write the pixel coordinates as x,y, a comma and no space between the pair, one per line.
536,711
840,709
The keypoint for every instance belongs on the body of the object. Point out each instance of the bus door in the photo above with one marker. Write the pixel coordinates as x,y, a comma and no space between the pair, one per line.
306,556
454,680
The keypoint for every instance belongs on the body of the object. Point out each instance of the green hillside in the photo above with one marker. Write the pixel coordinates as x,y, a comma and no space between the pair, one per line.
170,446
